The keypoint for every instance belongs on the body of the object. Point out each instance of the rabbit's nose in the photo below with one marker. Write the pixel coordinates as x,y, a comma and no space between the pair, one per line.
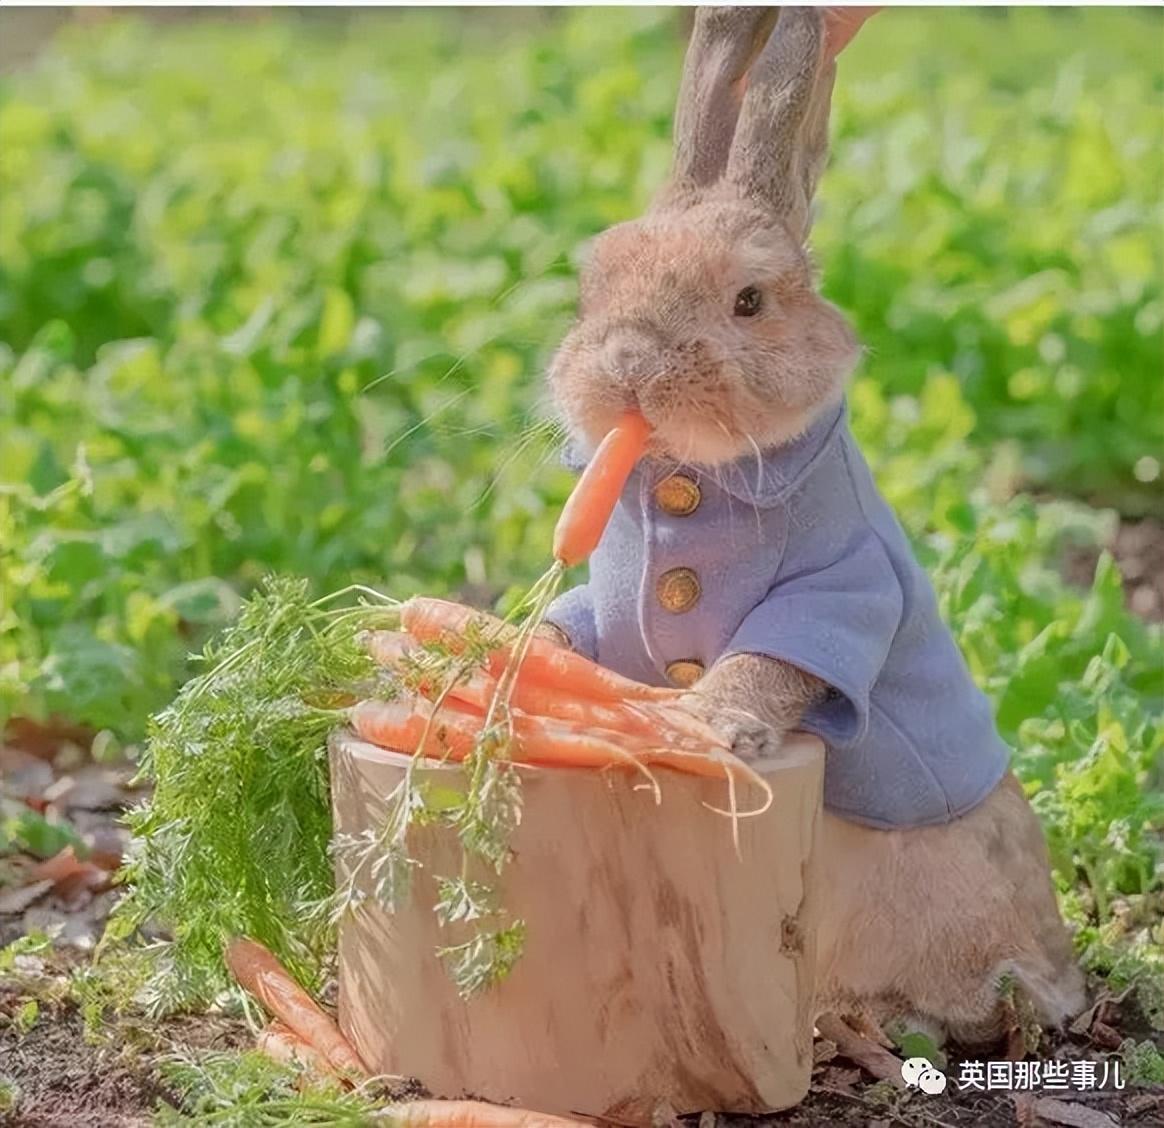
630,358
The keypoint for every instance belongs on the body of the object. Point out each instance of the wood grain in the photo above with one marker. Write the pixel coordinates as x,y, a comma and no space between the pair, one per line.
659,966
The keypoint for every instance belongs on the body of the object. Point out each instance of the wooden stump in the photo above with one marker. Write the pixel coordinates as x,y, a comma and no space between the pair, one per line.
659,966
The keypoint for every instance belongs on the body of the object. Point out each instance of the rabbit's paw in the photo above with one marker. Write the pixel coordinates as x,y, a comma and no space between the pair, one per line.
747,736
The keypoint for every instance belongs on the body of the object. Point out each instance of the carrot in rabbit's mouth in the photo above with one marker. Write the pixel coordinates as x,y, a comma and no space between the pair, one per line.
589,507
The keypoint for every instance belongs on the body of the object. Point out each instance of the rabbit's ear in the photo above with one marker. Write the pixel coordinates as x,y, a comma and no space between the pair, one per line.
781,140
723,44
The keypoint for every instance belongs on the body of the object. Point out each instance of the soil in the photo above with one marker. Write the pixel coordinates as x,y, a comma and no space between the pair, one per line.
1138,549
66,1076
68,1079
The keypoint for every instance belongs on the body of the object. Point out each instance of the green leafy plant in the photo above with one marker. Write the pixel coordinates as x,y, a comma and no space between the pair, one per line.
240,799
248,1088
1143,1061
234,840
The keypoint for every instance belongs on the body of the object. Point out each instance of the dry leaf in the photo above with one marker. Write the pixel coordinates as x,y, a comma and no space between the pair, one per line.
1071,1114
1105,1037
857,1048
17,900
823,1050
1024,1109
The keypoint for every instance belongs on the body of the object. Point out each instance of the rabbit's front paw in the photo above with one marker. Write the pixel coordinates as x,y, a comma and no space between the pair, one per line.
747,736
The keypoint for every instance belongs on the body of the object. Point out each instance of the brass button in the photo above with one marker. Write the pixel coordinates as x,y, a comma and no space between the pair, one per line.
678,590
678,495
685,672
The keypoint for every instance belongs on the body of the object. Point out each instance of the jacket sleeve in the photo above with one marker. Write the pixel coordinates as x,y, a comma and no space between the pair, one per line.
837,623
573,613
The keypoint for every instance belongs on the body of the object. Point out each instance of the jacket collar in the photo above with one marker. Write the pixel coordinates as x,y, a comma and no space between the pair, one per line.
762,482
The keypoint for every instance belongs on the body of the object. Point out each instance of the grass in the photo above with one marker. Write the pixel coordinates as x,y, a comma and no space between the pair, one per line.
275,297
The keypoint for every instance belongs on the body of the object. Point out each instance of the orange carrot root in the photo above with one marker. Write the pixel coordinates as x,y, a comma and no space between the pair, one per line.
441,620
402,724
473,1114
451,730
590,505
259,973
280,1043
389,648
574,674
438,620
395,649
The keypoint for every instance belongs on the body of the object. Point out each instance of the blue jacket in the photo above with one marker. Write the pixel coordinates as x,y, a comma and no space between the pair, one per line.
798,557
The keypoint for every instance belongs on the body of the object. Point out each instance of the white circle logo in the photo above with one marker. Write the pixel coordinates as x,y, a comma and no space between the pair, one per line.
920,1073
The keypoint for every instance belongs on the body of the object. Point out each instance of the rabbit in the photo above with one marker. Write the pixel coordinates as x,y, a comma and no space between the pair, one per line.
752,562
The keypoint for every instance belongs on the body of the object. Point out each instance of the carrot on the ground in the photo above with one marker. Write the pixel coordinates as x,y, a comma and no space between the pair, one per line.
590,505
280,1043
472,1114
258,972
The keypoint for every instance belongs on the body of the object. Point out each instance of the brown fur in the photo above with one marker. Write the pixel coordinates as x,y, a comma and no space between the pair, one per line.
923,924
917,922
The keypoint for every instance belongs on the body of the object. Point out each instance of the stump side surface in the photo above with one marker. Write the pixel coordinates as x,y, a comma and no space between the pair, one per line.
658,964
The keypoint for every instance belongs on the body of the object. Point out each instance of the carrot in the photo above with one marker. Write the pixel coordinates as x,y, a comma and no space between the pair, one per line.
546,701
575,674
590,505
389,648
280,1043
402,724
472,1114
258,972
396,649
452,732
438,620
650,718
446,622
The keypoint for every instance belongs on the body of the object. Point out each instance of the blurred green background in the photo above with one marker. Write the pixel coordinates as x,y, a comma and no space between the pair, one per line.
277,290
276,293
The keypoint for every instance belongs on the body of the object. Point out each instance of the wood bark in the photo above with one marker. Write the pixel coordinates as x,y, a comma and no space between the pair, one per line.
660,968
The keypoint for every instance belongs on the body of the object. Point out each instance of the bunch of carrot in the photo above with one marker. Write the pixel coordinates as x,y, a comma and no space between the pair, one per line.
546,704
559,708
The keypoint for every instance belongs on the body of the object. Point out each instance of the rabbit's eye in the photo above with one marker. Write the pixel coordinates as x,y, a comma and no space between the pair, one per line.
748,302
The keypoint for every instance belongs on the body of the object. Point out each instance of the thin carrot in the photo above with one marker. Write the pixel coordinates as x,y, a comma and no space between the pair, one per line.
280,1043
451,732
258,972
590,505
389,648
473,1114
438,620
542,700
557,666
400,651
649,718
403,723
443,621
